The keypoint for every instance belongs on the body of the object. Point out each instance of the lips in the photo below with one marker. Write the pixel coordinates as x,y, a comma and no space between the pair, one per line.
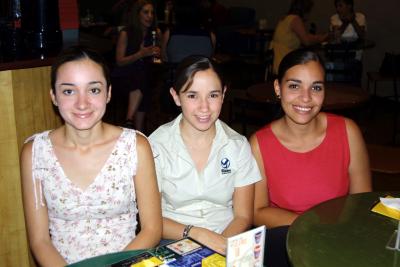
204,118
82,115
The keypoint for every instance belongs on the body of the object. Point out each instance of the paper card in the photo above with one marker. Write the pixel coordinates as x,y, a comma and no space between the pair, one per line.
385,210
246,249
183,246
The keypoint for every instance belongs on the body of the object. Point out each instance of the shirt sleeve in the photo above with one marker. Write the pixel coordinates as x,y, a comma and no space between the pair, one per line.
248,172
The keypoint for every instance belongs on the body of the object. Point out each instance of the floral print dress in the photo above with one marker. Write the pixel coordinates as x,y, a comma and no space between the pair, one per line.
100,219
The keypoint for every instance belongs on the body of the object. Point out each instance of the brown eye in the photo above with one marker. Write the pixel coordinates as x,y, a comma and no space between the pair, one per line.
95,91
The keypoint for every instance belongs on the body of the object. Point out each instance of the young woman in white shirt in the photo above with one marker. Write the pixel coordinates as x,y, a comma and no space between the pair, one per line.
205,170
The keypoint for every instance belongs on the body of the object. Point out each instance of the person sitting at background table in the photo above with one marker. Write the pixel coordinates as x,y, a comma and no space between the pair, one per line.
134,54
205,170
307,156
291,33
347,24
85,182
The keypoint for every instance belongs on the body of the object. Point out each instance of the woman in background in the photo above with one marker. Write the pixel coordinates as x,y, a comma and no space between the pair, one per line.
307,156
85,182
347,24
134,54
291,33
205,170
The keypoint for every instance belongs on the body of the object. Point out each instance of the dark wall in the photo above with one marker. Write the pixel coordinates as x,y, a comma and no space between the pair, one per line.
383,26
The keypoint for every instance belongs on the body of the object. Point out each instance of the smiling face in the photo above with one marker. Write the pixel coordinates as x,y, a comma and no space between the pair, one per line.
81,93
146,16
302,92
201,103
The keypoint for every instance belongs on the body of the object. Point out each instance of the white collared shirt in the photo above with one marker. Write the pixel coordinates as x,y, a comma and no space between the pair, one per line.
349,33
202,199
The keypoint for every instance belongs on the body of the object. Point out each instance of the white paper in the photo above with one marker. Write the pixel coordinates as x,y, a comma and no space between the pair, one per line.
393,203
246,249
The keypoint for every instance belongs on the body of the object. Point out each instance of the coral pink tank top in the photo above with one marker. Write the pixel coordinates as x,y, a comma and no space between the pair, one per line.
298,181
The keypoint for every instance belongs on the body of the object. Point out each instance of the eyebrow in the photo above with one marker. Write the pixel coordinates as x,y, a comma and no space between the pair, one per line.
90,83
299,81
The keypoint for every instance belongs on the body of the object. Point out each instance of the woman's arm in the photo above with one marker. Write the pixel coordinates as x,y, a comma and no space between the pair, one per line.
243,200
359,170
174,230
148,198
263,213
123,59
306,38
36,219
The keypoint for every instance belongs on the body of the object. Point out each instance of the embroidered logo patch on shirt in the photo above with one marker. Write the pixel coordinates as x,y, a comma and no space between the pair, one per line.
225,164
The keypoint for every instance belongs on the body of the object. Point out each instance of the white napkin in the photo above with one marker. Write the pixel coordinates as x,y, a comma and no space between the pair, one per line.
393,203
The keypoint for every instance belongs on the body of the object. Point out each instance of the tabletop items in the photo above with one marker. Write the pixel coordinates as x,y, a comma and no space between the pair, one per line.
245,249
344,232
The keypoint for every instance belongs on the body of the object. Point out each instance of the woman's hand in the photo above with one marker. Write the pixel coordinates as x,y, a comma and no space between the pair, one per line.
209,238
149,51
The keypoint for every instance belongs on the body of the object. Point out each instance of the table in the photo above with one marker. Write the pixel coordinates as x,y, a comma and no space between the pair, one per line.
343,232
337,95
105,260
346,46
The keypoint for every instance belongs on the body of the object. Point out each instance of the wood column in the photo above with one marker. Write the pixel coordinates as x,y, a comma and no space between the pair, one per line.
25,109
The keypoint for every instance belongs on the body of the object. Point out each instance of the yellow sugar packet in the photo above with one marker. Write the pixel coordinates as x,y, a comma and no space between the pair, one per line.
386,211
151,262
214,260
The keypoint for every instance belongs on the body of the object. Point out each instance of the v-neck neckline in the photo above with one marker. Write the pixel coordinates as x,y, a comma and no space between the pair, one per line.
98,175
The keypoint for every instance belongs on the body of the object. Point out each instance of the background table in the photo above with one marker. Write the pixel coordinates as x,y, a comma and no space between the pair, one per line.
343,232
107,259
337,95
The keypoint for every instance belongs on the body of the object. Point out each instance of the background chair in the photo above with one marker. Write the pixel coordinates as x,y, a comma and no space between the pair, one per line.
180,46
385,167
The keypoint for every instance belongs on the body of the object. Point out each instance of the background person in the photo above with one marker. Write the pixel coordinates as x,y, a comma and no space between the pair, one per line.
134,55
347,24
291,33
307,156
85,182
205,170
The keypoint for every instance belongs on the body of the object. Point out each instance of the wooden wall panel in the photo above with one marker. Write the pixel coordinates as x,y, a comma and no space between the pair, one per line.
25,108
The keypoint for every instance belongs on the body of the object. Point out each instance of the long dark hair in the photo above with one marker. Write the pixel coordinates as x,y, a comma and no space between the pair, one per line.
75,53
297,57
131,16
188,67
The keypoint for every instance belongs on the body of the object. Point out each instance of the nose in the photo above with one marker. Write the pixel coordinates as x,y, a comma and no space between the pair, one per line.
82,101
306,95
204,104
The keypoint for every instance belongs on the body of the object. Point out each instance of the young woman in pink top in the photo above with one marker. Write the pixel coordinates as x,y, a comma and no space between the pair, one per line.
85,183
307,156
